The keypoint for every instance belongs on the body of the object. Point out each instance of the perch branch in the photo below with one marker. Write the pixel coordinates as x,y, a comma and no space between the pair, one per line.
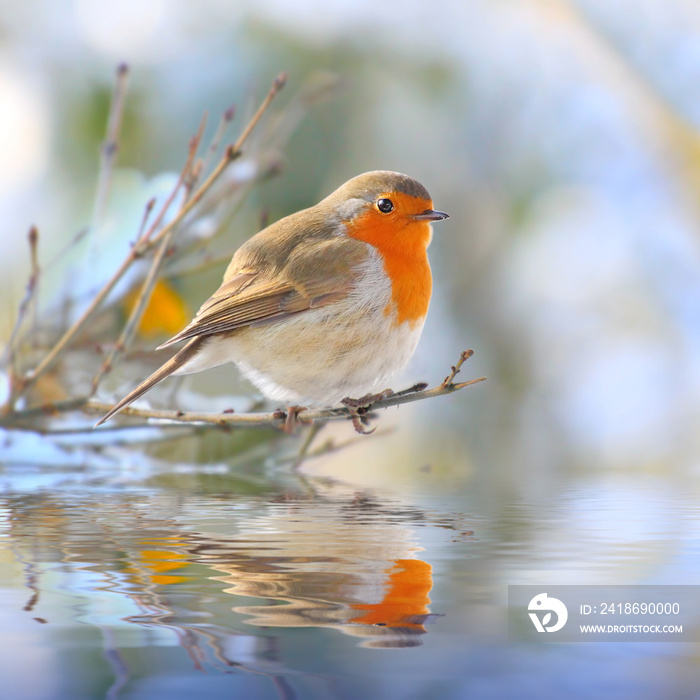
274,419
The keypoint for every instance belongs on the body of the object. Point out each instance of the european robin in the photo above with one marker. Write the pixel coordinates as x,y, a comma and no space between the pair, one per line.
324,304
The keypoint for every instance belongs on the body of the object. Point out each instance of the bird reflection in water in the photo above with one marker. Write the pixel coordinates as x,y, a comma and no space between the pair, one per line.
387,607
357,572
334,560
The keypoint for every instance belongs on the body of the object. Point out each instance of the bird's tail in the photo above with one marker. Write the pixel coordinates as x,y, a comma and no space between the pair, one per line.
172,365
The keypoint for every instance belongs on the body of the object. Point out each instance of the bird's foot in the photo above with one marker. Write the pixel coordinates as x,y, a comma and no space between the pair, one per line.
291,418
358,409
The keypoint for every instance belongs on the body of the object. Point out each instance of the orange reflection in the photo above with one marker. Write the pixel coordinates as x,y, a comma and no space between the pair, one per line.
159,562
387,606
153,565
406,602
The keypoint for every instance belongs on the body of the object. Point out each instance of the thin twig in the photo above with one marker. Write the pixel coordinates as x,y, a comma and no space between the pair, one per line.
123,427
193,178
230,420
146,290
35,275
231,153
144,241
224,122
75,239
206,263
192,246
50,408
60,346
195,172
110,146
264,218
148,210
10,354
330,446
279,82
202,163
447,382
136,315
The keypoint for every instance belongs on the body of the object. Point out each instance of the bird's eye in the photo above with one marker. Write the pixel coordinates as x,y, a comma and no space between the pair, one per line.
385,205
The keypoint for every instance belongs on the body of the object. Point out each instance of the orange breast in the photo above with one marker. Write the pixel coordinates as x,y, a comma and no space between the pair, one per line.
402,244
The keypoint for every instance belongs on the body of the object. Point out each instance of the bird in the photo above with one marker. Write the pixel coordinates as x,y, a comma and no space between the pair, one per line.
323,305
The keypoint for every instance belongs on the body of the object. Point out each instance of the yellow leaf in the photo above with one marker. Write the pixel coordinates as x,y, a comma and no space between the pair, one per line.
165,314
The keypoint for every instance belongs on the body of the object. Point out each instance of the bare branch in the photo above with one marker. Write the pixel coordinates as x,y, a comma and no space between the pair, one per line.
9,356
61,345
224,122
108,152
63,251
276,419
146,216
33,237
133,255
304,450
146,290
136,314
279,82
447,382
144,241
149,239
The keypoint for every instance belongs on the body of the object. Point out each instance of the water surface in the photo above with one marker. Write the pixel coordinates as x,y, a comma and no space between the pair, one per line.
213,583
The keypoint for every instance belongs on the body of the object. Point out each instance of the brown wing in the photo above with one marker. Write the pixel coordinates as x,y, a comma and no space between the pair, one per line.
314,275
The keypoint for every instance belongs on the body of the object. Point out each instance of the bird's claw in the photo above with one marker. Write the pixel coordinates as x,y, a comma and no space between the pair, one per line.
291,418
358,408
359,422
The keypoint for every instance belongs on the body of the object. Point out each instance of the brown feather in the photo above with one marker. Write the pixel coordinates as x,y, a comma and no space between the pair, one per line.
321,273
173,364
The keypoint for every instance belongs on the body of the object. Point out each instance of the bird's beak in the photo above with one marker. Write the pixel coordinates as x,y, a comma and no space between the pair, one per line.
431,215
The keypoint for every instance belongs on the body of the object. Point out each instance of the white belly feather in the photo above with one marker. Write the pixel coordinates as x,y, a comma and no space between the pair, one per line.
321,356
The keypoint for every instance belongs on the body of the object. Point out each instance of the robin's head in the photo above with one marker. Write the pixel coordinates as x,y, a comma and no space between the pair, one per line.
384,196
386,208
